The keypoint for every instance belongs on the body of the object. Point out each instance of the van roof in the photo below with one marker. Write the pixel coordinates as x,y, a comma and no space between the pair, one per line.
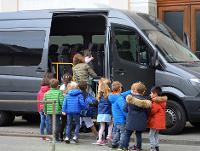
139,18
46,13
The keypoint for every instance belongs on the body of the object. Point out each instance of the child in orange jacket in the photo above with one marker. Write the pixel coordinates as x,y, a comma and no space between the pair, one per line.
156,119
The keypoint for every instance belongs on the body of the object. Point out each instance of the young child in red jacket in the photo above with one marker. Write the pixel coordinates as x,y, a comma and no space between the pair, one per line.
156,119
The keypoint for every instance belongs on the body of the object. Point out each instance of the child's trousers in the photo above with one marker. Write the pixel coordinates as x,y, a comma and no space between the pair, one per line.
153,137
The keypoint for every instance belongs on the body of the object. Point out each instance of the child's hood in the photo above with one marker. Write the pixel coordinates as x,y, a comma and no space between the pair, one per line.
74,92
44,88
160,99
113,98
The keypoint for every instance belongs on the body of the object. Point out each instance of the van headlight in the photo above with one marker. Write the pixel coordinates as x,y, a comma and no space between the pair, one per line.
195,81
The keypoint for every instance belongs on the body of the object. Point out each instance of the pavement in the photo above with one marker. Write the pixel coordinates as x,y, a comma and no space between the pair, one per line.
189,136
36,144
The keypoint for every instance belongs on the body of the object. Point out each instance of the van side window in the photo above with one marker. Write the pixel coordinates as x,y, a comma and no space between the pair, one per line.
21,48
131,47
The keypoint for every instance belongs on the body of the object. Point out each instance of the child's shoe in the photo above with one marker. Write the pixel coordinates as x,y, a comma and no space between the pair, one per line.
152,149
47,139
67,140
134,147
157,148
101,142
109,138
75,139
122,149
43,138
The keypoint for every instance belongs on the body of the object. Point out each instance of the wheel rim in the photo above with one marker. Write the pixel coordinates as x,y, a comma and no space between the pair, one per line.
170,117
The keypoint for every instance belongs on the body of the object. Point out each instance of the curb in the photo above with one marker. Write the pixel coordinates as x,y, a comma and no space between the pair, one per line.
146,140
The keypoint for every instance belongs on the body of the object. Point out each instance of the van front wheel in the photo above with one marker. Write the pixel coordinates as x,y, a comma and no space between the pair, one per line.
175,118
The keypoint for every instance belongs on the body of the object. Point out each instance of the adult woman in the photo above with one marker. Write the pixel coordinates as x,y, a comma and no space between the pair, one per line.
81,70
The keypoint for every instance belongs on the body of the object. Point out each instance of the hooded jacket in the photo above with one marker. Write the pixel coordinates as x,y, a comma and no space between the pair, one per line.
40,97
118,102
136,117
73,102
57,96
156,119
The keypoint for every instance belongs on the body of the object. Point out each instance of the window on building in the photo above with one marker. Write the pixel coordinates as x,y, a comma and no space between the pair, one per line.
21,48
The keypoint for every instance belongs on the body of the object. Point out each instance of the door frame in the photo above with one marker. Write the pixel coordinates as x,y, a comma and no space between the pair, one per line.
194,8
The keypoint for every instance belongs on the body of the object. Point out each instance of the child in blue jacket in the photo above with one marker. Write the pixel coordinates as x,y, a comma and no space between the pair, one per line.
104,112
72,105
119,116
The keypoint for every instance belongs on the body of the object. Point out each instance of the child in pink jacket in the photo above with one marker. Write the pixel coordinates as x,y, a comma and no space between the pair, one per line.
40,96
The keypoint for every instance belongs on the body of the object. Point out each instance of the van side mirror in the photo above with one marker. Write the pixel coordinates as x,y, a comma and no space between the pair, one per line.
186,39
154,62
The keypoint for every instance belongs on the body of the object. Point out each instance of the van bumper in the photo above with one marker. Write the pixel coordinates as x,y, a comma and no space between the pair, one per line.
192,105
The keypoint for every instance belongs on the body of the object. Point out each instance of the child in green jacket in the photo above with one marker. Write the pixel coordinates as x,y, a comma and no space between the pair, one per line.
54,94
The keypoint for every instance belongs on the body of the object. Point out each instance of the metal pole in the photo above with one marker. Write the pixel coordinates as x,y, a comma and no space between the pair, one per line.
53,126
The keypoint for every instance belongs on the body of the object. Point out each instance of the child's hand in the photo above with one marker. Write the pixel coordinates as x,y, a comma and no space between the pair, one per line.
63,113
148,104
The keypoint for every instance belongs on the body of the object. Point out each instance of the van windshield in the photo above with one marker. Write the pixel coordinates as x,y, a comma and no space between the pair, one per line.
167,42
173,51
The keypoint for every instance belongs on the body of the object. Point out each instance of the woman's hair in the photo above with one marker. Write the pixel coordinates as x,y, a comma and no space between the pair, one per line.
46,79
78,58
67,78
103,91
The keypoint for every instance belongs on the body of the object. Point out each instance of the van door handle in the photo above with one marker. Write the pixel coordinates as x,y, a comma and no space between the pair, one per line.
120,72
39,69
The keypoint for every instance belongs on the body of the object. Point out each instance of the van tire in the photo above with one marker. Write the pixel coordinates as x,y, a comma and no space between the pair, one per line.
6,118
175,118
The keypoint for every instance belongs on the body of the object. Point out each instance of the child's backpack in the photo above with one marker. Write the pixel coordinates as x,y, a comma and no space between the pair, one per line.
90,100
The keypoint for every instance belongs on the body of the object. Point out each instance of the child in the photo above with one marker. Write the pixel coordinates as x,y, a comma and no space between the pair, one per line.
88,56
72,105
104,112
119,116
40,96
67,78
156,120
89,99
53,94
136,118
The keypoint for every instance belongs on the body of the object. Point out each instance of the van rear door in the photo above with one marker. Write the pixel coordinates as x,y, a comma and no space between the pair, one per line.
130,55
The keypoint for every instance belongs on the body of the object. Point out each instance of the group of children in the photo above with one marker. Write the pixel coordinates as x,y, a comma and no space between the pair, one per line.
130,112
121,113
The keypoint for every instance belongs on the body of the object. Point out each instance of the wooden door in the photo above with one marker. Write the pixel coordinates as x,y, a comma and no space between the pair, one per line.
177,18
